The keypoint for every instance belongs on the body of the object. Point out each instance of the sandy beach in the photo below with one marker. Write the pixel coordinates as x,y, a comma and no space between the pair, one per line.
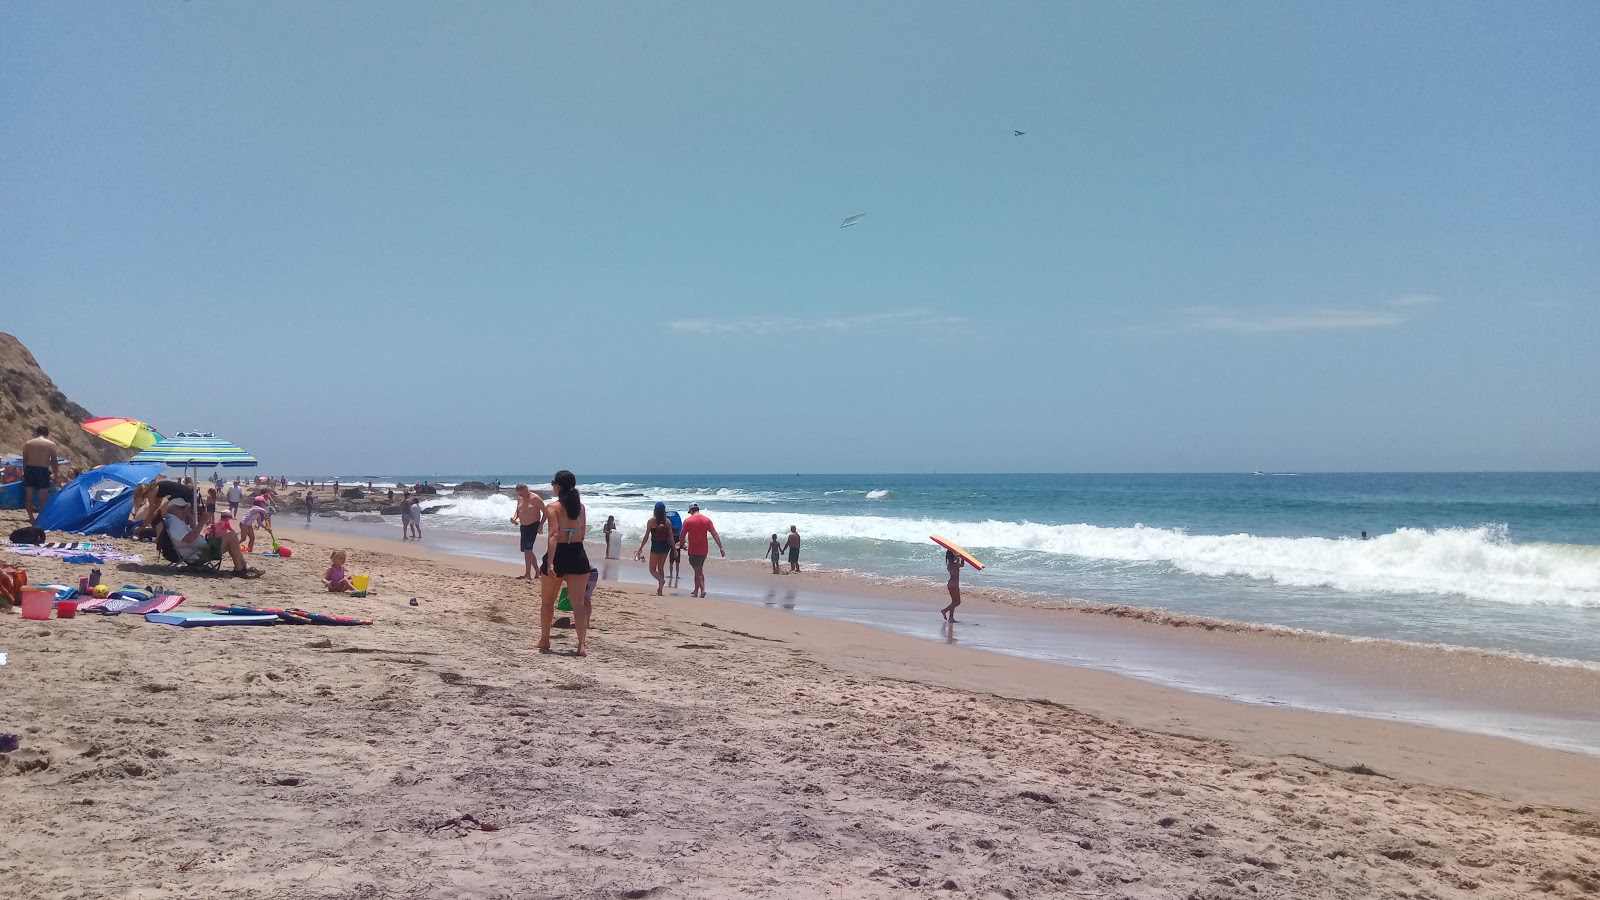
706,749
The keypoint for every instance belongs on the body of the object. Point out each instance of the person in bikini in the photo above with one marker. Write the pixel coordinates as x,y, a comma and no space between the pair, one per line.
530,515
952,564
566,562
658,531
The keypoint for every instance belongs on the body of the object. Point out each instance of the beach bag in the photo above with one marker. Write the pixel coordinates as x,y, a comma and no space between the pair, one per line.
28,534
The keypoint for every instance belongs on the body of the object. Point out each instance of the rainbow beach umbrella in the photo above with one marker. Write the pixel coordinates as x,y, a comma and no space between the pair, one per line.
198,450
130,433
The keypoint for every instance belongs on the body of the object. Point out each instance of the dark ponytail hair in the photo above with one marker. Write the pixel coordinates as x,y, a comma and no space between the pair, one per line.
566,485
949,557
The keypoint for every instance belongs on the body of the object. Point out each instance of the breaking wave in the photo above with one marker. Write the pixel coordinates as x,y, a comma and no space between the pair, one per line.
1480,563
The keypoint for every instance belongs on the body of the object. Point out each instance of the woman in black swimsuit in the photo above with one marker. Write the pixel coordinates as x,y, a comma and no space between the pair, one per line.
953,564
658,531
566,563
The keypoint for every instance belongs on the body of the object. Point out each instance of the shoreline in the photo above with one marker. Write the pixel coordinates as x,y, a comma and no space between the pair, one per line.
1465,690
899,585
711,749
1427,754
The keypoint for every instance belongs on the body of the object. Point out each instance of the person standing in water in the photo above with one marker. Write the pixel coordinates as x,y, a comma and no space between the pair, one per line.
566,563
611,525
774,550
793,543
658,531
953,564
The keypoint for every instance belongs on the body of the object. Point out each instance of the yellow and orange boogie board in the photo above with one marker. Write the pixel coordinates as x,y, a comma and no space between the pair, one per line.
955,548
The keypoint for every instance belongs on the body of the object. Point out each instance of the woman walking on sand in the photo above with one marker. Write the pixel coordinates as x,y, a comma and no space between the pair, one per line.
658,531
566,562
953,563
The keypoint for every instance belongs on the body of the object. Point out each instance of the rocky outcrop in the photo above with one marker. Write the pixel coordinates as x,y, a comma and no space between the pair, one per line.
28,399
475,487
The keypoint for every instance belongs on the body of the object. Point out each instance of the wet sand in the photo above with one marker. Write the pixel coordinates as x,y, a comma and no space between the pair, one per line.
709,748
1481,692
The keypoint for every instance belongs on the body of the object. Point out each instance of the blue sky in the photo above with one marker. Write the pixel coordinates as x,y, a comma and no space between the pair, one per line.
506,238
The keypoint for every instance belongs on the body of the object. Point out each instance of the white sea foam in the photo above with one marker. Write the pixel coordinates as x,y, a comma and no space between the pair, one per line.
477,508
1479,563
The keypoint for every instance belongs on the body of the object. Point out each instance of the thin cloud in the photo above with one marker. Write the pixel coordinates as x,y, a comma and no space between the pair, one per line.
904,318
1397,311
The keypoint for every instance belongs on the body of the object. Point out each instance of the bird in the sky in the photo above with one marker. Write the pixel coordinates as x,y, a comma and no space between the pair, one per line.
852,220
1018,133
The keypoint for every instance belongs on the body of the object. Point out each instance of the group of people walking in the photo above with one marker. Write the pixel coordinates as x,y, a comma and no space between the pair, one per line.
693,538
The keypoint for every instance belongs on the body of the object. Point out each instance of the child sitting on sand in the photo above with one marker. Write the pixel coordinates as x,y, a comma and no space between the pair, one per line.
223,526
335,578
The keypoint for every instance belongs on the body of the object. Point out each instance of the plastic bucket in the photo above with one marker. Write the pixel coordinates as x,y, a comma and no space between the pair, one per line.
359,582
37,604
66,609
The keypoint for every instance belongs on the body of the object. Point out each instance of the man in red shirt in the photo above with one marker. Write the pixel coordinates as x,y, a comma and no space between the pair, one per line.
695,529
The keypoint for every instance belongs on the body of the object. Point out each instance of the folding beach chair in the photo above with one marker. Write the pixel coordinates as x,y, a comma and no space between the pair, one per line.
210,561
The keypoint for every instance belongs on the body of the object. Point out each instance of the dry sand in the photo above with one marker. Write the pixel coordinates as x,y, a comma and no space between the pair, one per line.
756,754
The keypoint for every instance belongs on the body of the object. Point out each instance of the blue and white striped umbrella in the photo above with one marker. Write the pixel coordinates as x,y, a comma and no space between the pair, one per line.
199,450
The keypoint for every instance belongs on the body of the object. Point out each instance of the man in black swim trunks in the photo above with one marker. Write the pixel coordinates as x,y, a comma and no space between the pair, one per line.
793,543
38,470
529,516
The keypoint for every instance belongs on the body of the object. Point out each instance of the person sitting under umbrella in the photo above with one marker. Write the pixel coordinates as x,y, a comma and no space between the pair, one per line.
194,546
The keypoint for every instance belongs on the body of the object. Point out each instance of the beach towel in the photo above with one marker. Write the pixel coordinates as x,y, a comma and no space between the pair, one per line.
72,553
200,619
116,606
65,545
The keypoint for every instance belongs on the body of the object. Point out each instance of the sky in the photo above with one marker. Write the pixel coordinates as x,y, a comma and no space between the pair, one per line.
505,238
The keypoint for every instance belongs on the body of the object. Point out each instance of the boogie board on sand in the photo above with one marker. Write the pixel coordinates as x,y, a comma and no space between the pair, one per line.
955,548
198,619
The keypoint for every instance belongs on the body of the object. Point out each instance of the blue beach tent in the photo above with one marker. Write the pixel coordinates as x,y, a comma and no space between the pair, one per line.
98,501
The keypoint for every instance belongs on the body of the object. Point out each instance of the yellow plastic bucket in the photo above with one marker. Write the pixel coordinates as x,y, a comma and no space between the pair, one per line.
359,582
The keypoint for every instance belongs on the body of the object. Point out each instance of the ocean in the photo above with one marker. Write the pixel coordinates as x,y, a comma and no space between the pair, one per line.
1503,562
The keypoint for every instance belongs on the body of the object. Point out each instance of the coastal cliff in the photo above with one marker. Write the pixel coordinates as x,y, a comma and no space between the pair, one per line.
28,399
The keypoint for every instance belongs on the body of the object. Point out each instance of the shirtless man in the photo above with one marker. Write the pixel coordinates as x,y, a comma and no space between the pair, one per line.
38,470
793,543
530,516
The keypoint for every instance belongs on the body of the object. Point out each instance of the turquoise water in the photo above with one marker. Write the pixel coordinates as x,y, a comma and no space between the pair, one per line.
1495,561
